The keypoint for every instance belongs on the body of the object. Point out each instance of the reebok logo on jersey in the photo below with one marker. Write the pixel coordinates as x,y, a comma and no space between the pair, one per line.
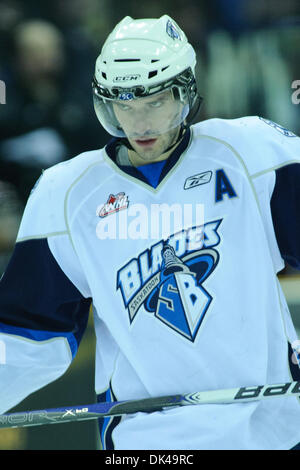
197,180
115,203
167,279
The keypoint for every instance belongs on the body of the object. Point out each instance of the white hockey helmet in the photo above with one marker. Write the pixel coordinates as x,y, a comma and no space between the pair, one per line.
141,58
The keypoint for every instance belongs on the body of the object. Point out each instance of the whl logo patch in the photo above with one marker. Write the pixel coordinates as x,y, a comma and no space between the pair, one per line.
115,203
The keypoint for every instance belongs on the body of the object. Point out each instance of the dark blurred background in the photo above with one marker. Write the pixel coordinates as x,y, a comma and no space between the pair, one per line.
248,57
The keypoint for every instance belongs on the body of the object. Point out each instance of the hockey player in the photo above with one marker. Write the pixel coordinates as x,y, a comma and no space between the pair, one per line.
176,310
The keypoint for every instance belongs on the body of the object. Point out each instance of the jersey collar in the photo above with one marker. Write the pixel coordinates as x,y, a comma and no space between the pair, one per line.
135,173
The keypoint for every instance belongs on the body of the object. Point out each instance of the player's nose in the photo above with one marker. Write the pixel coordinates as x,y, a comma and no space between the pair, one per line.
144,127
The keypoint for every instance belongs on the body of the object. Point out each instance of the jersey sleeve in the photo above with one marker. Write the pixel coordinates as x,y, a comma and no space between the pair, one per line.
277,160
44,298
285,207
271,157
276,165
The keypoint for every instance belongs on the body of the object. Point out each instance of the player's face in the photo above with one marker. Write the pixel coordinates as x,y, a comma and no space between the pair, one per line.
149,123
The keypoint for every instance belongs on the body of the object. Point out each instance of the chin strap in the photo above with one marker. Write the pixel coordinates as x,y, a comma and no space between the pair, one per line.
126,142
181,133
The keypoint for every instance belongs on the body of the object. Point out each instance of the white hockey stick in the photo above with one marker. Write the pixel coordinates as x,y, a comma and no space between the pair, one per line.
119,408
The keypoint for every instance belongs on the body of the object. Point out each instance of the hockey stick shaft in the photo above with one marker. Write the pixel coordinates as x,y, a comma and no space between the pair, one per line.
119,408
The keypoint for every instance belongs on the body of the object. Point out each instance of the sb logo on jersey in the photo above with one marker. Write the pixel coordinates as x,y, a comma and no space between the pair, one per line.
167,280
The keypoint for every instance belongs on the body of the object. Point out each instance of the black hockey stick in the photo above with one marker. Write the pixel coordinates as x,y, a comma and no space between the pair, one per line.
119,408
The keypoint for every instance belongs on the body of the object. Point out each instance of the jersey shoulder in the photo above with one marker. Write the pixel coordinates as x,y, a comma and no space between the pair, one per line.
45,211
63,174
262,144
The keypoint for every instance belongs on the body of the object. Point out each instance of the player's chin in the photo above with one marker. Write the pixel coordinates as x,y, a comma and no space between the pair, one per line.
148,156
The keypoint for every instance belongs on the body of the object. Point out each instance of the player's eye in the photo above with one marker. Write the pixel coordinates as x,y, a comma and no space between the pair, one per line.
123,107
156,104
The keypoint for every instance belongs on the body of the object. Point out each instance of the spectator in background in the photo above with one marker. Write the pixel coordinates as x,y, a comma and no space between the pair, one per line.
10,216
44,120
34,76
29,125
267,12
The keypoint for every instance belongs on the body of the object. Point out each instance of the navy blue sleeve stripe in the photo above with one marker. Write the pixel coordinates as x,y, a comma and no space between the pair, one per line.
285,208
294,367
35,293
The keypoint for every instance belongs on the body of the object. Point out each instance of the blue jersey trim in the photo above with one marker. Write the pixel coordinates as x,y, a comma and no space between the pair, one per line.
107,425
168,164
37,335
152,172
285,208
293,365
36,295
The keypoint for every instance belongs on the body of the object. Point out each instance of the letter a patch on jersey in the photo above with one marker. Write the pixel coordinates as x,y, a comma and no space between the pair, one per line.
223,186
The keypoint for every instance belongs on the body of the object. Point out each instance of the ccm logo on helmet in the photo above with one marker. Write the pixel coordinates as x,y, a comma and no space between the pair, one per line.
127,78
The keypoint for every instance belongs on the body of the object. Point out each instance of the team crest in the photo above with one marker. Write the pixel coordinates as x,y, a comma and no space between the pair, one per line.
172,31
169,286
180,300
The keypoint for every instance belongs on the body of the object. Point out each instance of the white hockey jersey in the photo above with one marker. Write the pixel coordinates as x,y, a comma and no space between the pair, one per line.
177,308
